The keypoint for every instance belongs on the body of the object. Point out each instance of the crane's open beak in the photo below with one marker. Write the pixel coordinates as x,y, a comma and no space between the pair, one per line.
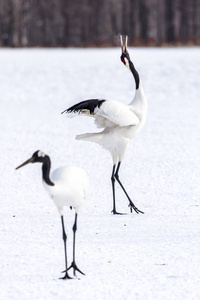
124,47
30,160
121,40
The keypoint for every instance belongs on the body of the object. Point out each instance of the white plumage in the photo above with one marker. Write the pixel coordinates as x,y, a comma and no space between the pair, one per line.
115,113
70,187
67,186
120,122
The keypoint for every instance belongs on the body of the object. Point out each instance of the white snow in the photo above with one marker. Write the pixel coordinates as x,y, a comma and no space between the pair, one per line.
150,256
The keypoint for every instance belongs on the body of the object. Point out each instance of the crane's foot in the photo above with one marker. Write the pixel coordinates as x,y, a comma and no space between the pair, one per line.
66,276
132,206
114,212
75,268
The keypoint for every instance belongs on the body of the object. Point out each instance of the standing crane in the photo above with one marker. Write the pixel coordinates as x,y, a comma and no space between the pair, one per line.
68,186
120,123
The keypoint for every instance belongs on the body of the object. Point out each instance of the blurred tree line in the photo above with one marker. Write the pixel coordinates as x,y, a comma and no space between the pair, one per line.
60,23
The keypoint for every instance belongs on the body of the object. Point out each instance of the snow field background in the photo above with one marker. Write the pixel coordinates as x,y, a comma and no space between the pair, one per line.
150,256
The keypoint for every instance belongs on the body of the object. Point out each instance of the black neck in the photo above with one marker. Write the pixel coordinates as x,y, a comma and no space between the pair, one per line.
135,74
46,166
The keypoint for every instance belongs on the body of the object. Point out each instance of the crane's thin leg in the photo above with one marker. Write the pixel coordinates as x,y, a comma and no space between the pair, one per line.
73,264
65,249
131,205
113,190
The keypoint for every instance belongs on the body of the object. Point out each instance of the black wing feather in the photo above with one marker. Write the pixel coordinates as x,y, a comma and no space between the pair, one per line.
89,105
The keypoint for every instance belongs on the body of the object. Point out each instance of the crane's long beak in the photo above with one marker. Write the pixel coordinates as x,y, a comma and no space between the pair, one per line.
124,47
126,42
121,40
30,160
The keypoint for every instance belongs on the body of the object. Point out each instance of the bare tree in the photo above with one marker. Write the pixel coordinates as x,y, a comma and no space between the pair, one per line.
97,22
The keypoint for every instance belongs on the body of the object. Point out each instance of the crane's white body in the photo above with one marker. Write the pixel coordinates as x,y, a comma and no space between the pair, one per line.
121,123
70,187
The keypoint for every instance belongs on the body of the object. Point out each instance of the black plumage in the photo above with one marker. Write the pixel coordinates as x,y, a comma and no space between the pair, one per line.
89,105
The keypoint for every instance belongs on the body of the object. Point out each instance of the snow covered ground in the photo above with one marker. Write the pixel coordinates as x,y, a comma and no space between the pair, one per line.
150,256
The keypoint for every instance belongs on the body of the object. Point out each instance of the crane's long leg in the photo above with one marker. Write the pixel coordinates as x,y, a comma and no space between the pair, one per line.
131,205
65,249
113,190
73,264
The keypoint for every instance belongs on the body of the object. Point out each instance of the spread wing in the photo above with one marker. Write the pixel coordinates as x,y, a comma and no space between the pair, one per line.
107,113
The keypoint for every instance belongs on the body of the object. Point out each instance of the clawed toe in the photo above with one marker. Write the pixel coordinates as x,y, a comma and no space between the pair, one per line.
75,268
66,276
132,206
114,212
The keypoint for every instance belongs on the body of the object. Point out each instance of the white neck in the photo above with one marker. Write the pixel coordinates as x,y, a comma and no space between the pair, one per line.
139,101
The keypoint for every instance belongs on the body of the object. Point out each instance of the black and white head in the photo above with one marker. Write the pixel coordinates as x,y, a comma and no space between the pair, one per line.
125,58
38,156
